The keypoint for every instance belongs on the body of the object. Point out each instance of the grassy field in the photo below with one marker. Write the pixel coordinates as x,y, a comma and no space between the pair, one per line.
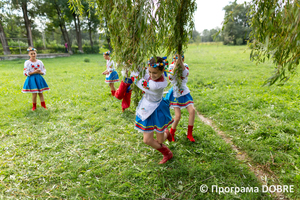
84,147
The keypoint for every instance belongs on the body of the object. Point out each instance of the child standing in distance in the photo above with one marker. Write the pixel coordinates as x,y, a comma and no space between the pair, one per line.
180,97
110,72
35,83
153,113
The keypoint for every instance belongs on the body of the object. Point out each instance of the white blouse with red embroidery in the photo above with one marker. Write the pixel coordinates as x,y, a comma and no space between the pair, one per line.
153,93
32,66
183,90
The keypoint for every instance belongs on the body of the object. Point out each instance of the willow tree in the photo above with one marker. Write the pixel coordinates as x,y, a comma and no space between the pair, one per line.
275,34
176,25
141,29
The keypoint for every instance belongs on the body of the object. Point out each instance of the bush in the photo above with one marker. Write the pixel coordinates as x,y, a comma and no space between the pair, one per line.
86,60
239,41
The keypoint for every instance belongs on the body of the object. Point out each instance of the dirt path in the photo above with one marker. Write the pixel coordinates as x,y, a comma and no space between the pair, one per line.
263,174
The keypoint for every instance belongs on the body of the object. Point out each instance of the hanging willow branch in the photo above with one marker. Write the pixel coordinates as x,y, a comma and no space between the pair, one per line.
141,29
275,34
177,24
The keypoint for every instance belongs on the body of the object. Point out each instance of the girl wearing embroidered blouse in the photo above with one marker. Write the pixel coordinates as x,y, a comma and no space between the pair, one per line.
111,75
153,113
35,83
180,97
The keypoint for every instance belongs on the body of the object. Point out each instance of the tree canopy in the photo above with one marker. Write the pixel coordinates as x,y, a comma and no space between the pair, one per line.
237,28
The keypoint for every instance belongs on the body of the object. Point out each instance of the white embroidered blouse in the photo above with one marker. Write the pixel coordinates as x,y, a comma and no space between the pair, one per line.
110,66
178,92
153,95
32,66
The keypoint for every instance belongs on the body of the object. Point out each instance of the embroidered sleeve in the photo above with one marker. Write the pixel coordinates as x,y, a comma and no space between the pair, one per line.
171,72
185,73
144,85
26,69
42,67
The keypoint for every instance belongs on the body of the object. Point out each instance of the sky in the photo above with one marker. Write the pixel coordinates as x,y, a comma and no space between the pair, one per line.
210,13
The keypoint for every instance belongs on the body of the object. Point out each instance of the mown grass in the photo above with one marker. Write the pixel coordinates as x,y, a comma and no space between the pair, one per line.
84,147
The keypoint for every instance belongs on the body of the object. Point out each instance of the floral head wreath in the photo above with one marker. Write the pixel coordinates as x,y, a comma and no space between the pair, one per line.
107,53
164,63
31,49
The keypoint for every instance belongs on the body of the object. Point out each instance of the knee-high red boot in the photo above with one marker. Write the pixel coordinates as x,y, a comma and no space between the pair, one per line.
190,133
33,106
172,132
166,152
43,104
120,92
126,101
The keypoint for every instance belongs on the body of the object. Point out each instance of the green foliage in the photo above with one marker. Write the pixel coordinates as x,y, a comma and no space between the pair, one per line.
239,41
141,29
276,26
236,23
176,23
86,60
212,35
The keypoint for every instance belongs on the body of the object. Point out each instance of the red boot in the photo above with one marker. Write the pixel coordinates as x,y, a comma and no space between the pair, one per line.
33,106
190,133
120,93
169,136
113,92
166,152
43,104
126,101
172,132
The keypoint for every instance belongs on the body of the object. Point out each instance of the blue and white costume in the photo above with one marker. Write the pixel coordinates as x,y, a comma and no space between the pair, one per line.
153,113
113,76
179,97
34,83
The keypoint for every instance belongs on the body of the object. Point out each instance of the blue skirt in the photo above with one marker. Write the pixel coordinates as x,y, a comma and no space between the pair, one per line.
35,83
112,77
179,102
158,121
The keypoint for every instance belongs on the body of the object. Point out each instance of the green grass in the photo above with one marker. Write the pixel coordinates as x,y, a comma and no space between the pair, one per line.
84,147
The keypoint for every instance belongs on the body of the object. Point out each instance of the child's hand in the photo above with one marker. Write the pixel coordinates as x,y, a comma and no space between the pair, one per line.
37,71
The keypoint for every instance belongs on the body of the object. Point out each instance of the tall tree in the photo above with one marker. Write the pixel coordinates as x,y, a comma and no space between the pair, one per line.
78,31
275,34
58,12
3,39
104,10
93,21
24,6
2,33
237,26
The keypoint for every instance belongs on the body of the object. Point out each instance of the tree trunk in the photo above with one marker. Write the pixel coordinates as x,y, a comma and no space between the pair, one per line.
108,42
27,23
63,29
90,34
4,41
78,32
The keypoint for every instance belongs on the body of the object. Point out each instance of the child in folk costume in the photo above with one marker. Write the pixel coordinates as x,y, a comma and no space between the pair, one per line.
35,83
153,113
180,97
110,72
